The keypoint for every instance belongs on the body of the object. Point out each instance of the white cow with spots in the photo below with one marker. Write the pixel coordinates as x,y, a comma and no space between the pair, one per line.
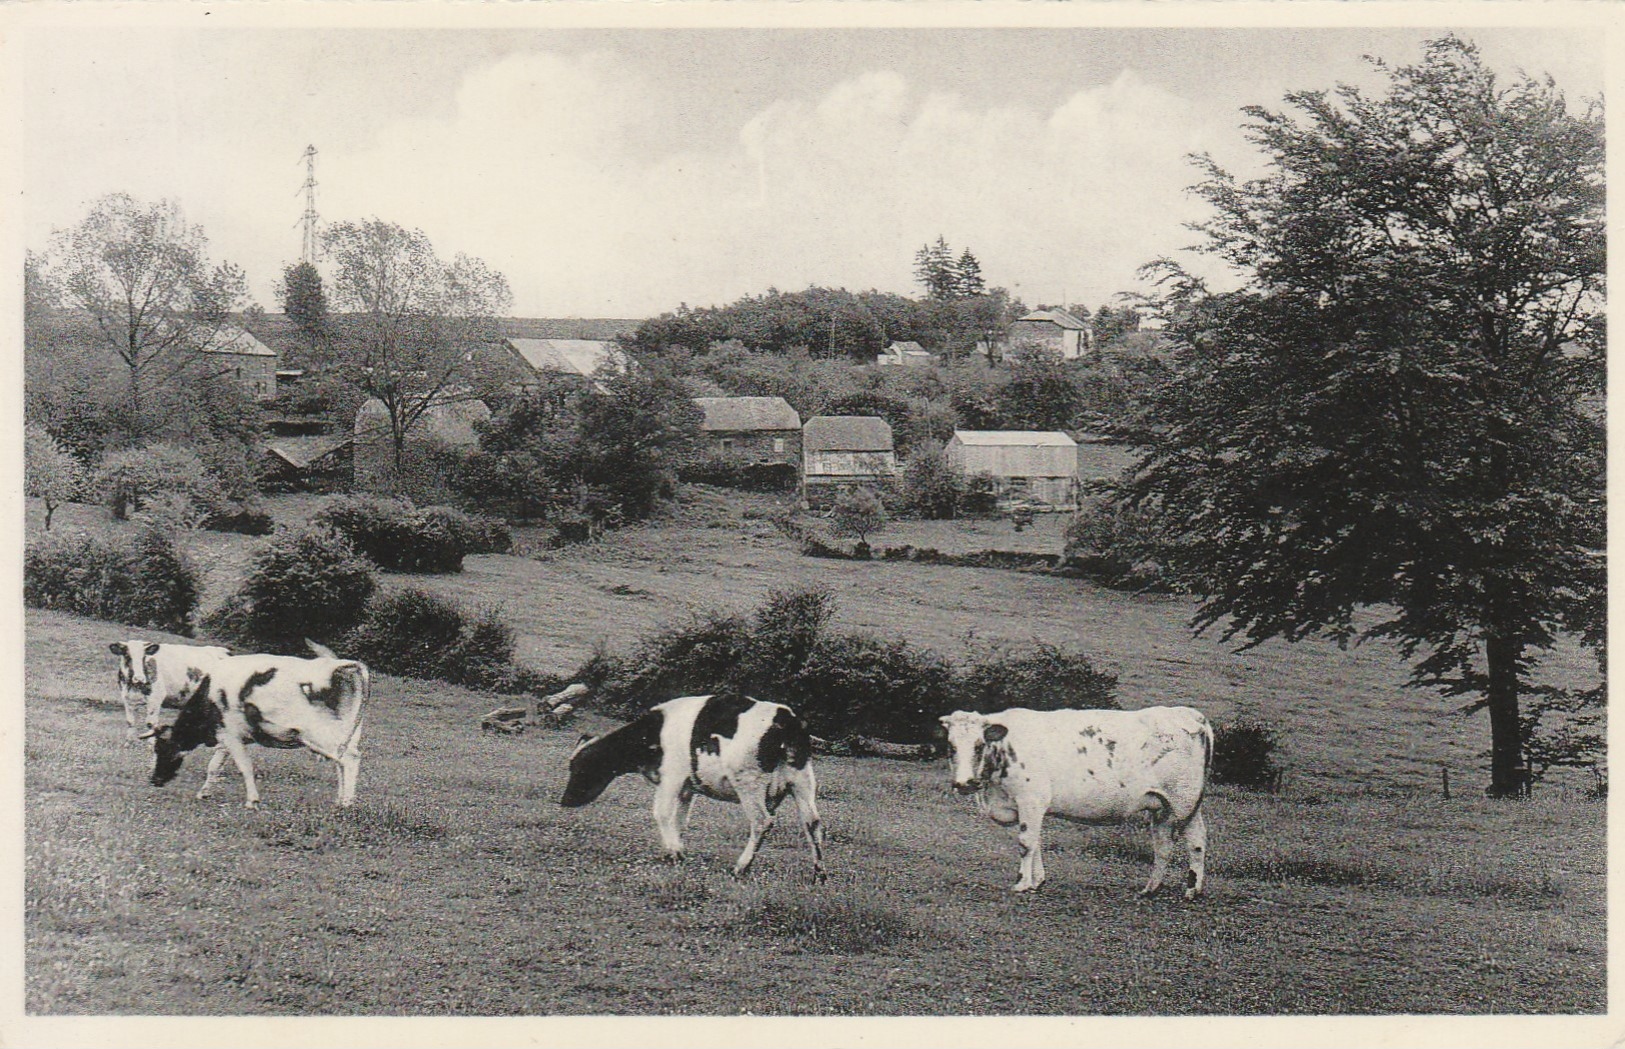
153,675
1091,766
727,747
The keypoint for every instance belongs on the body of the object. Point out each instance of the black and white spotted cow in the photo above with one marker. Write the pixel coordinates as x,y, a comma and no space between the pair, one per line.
275,701
726,747
153,675
1090,766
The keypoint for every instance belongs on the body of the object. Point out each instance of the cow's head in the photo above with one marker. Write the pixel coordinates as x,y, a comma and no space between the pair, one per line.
136,667
971,739
197,726
592,770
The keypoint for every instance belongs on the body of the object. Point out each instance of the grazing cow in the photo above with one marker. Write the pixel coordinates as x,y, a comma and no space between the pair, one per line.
1091,766
152,675
275,701
727,747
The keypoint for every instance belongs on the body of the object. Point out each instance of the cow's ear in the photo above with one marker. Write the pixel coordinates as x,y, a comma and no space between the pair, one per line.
117,648
994,733
152,648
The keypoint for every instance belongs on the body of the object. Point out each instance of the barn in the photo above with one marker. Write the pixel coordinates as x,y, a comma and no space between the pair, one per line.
1034,466
573,358
751,429
844,451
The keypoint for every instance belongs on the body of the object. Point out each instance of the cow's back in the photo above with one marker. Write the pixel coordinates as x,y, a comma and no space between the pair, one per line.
1099,765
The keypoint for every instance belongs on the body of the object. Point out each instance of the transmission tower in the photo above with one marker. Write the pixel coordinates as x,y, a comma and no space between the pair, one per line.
309,250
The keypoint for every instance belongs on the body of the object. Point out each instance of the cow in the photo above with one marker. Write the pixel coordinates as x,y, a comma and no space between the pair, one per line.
275,701
152,675
1090,766
724,746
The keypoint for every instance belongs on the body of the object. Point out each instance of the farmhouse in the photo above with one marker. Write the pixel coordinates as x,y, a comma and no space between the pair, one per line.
247,361
448,424
904,355
751,429
844,451
1033,466
573,358
1055,328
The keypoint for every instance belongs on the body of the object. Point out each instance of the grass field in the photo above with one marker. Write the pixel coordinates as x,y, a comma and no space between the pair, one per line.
458,886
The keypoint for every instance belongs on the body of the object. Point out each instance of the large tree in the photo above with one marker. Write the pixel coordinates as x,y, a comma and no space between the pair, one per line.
414,320
1400,408
142,274
304,300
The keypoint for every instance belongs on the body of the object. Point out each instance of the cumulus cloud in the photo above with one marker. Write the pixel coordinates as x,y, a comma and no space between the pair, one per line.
538,171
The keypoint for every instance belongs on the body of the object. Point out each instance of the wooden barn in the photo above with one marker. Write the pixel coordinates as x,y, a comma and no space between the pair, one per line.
751,429
844,451
1037,466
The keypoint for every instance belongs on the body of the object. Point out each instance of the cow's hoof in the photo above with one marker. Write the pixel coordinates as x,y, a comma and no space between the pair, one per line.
251,804
1021,887
820,877
1191,894
673,858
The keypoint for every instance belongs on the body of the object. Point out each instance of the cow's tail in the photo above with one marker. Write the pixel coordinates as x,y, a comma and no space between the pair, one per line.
357,688
1207,762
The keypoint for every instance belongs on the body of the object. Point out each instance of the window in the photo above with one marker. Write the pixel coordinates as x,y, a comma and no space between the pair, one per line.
778,444
727,444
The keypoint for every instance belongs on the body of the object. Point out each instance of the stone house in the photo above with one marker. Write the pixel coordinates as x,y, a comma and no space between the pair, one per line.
751,429
1055,328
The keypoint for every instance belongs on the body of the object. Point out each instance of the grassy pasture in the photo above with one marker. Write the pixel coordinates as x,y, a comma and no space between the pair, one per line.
458,886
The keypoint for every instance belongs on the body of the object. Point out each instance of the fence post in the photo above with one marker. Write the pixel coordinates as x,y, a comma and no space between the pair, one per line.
1444,776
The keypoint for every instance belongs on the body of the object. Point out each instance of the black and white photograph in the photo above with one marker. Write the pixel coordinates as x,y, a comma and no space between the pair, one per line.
833,523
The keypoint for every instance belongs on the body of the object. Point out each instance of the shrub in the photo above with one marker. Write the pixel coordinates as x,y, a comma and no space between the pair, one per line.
398,537
858,513
1118,546
981,495
931,487
417,634
129,479
51,473
141,579
1244,755
1040,676
727,472
859,684
248,519
701,656
489,535
307,583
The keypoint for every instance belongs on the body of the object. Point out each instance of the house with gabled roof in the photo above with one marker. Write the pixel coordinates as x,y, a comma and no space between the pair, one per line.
751,429
908,354
1056,328
845,451
575,358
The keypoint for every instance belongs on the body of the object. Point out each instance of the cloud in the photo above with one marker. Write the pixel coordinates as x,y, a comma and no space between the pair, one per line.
539,171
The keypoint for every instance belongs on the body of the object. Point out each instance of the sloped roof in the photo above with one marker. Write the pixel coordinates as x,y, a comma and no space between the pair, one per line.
567,356
1060,318
846,433
234,340
1015,438
738,414
300,452
909,348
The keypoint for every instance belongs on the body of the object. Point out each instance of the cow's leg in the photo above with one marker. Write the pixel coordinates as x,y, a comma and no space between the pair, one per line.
753,799
804,787
1030,841
1162,850
132,734
239,753
671,811
349,760
216,761
1195,838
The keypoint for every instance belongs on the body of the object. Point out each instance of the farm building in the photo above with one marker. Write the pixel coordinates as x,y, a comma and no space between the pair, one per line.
576,358
1034,466
904,355
751,429
239,356
1057,329
447,425
843,451
308,463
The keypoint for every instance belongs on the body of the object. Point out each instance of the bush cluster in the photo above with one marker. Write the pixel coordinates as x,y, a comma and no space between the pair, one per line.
141,579
841,683
727,472
129,480
1244,755
417,634
1120,547
301,584
399,537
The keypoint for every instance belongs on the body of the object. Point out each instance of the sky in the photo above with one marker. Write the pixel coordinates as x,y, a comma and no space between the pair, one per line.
621,172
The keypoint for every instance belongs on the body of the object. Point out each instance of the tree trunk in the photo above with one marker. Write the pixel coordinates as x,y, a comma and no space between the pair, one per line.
1507,775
